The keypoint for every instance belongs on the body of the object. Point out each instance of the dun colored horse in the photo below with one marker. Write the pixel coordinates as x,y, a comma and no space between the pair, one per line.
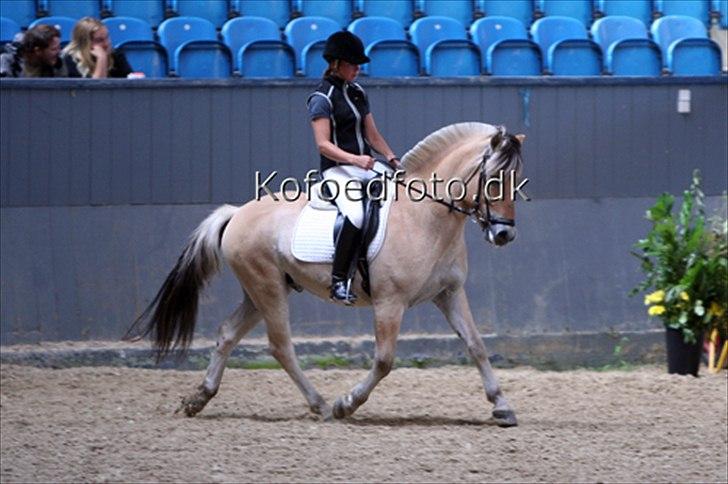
423,258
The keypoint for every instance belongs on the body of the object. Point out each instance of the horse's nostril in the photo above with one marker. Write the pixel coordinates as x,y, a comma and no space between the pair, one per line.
501,238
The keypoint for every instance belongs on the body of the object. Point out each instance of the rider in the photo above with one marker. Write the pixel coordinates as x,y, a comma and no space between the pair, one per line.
345,134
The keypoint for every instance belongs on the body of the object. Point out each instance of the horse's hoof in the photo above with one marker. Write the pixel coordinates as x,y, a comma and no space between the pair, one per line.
339,411
323,409
505,418
194,404
327,414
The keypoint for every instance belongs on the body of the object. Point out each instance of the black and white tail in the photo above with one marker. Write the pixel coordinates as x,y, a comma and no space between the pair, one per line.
171,316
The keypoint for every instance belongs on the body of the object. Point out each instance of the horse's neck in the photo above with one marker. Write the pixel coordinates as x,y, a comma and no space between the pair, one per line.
454,163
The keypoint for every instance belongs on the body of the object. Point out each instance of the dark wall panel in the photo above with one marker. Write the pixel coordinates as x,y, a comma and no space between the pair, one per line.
102,183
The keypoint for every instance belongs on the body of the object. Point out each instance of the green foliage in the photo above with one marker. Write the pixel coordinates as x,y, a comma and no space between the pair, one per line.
685,262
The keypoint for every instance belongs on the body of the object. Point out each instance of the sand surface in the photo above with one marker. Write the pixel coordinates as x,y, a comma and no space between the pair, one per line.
118,424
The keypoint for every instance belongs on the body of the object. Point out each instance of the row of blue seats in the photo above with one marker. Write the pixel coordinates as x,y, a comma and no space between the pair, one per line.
343,12
438,46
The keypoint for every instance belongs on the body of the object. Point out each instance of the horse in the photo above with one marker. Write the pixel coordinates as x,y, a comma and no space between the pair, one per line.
423,258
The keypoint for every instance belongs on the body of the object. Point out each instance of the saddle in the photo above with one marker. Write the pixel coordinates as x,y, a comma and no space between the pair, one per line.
320,222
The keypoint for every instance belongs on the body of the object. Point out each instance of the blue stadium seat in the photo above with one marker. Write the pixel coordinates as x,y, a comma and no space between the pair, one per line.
64,24
489,30
565,46
278,11
694,57
639,9
608,30
8,29
626,47
372,29
216,11
267,58
633,57
71,8
302,31
514,58
577,57
148,57
124,29
399,11
518,9
337,10
453,58
240,32
151,11
697,9
176,31
578,9
429,30
21,11
460,10
206,59
667,30
549,30
313,63
393,58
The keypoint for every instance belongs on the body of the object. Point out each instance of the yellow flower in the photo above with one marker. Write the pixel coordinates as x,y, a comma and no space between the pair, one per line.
684,296
655,297
656,310
716,309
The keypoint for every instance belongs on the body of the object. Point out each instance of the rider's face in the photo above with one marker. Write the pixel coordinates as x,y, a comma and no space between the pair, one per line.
348,71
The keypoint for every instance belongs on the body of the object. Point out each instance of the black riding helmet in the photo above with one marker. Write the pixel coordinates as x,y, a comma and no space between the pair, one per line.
345,46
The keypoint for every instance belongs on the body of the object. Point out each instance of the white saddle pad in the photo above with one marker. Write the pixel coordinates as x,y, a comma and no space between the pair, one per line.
313,237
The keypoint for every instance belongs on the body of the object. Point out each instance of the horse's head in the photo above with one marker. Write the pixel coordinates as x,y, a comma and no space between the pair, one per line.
490,174
498,184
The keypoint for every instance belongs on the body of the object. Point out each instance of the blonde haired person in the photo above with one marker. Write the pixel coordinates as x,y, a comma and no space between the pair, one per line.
89,54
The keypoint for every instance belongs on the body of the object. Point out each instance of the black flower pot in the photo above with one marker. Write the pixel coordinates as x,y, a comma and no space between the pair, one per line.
682,358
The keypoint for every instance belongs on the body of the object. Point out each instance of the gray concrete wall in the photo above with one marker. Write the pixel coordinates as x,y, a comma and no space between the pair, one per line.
101,183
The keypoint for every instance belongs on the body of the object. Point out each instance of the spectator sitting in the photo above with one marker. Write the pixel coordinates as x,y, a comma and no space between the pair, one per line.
34,54
89,54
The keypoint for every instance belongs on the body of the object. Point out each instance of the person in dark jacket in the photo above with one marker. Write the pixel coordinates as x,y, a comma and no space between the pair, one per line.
34,54
89,54
345,134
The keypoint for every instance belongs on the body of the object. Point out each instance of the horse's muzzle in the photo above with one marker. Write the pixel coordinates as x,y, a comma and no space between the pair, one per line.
500,234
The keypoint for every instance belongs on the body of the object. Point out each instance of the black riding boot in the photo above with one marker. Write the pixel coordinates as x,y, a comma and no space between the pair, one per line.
347,247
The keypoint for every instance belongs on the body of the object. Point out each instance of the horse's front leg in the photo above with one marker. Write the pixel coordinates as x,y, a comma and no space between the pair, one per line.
454,304
240,322
387,320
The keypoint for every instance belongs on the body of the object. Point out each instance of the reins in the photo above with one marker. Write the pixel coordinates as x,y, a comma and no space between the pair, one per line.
483,219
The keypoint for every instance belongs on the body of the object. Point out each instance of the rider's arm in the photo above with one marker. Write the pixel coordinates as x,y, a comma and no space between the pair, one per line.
322,134
376,140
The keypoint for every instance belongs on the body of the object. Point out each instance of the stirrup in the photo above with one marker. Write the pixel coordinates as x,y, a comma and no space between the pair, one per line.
341,292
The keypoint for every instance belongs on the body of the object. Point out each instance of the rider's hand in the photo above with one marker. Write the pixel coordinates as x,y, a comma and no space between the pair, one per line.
363,161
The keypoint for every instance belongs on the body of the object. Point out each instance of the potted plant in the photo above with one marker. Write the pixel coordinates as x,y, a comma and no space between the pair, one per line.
685,261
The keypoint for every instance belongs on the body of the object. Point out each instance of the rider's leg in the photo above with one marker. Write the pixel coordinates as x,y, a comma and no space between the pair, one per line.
347,247
348,190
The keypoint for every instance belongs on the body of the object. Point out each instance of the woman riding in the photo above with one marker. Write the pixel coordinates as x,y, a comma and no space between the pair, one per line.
345,134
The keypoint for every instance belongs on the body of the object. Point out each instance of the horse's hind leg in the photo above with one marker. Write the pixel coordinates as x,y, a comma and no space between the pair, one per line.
237,325
387,320
457,311
281,347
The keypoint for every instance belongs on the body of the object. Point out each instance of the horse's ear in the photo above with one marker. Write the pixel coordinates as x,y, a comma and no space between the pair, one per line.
496,140
521,138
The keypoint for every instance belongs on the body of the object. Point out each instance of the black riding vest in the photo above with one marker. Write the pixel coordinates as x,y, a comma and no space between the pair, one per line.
349,106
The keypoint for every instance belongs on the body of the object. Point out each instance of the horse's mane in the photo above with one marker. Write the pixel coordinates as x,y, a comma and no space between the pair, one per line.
426,150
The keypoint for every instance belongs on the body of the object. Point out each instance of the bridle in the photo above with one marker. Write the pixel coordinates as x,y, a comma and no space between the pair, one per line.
480,212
